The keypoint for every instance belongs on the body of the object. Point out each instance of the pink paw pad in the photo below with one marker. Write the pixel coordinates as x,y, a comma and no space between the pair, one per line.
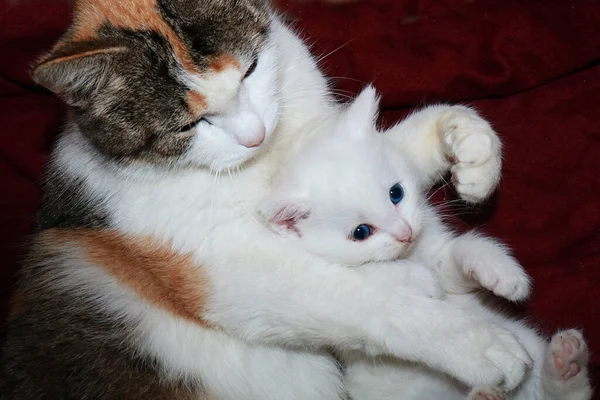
487,394
567,353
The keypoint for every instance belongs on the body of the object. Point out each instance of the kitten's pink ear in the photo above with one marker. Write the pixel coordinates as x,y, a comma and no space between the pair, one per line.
284,212
360,117
75,71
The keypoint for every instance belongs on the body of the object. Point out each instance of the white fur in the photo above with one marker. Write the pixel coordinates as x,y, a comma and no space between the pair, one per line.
341,179
265,290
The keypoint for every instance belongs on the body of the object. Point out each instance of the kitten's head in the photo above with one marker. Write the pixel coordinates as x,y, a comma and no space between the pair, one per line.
170,82
348,196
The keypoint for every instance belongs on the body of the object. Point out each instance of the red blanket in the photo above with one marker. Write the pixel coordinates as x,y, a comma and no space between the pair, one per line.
530,67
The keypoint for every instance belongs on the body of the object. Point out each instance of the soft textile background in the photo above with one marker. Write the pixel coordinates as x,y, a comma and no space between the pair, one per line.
531,67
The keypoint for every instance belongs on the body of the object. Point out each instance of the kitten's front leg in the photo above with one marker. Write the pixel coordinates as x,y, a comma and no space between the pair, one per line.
456,138
478,261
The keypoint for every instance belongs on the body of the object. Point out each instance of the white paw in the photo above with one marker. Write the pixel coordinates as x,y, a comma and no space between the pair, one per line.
475,150
567,355
487,393
496,358
449,340
488,263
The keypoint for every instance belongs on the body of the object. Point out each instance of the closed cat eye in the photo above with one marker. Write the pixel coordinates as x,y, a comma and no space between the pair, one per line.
252,68
191,125
362,232
396,193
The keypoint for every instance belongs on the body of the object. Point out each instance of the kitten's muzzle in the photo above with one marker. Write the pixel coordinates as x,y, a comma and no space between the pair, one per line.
403,234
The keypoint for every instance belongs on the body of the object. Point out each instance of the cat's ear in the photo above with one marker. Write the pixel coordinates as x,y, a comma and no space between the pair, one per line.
76,71
361,115
284,210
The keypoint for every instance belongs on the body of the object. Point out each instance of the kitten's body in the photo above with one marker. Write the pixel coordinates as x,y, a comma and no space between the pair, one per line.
150,275
344,183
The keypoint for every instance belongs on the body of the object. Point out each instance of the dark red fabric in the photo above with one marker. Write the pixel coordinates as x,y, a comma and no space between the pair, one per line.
531,67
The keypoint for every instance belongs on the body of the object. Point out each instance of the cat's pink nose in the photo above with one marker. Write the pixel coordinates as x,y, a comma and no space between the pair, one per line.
254,139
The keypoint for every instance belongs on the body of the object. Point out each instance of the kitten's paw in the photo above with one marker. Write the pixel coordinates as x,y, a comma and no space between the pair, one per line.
567,355
487,393
475,149
490,265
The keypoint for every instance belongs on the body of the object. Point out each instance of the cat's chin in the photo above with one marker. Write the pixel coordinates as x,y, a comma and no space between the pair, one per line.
235,162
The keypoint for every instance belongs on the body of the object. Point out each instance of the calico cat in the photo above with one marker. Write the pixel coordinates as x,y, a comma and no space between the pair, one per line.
352,199
150,277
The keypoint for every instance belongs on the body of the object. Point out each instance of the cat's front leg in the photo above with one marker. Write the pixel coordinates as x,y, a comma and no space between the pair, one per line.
407,276
482,262
319,305
456,138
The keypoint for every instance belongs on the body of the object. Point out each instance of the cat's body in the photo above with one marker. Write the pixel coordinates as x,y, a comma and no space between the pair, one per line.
150,277
353,199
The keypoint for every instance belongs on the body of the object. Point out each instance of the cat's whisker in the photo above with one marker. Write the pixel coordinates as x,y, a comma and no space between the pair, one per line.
346,78
334,51
217,175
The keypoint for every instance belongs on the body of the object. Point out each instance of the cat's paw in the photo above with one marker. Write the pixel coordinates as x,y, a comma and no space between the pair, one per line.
443,336
475,150
495,358
567,355
489,264
486,393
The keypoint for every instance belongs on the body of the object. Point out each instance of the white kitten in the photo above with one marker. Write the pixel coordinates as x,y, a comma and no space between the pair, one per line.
352,198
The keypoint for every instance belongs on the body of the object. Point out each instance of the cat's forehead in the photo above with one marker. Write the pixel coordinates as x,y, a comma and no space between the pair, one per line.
201,33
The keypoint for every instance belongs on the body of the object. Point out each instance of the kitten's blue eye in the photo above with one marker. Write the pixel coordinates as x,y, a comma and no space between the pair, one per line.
396,193
362,232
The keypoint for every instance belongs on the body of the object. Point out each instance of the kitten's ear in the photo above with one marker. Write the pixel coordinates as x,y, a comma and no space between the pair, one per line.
284,210
360,117
75,71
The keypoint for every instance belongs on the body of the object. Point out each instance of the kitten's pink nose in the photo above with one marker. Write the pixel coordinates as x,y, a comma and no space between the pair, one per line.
255,138
404,235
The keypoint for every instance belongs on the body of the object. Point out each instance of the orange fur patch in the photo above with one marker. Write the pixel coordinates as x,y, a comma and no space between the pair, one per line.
89,15
196,103
156,273
224,61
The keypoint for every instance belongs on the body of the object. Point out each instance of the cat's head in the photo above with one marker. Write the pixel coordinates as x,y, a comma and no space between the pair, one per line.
170,82
348,196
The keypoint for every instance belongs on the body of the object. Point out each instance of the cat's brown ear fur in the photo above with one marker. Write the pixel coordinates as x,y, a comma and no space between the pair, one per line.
74,72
